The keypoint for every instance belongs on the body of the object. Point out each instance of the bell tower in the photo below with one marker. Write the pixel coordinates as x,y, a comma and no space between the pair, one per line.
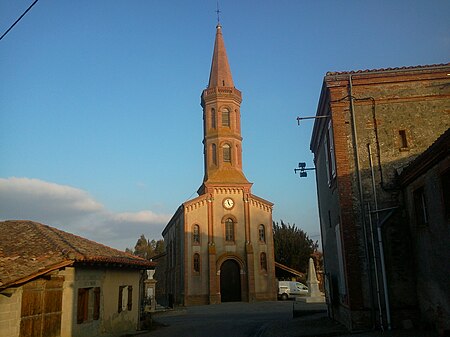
222,140
221,242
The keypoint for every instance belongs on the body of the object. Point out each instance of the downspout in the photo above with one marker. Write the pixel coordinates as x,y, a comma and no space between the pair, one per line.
361,195
374,191
383,266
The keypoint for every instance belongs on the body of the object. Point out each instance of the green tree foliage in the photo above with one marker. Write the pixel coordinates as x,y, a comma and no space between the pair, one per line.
293,247
147,248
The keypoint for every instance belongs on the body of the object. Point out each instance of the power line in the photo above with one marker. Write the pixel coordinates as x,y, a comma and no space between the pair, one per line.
20,17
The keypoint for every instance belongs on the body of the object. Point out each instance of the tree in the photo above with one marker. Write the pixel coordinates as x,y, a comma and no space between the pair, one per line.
146,248
292,245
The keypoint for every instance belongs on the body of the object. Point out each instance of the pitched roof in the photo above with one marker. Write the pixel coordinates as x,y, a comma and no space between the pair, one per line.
406,68
432,155
29,249
220,75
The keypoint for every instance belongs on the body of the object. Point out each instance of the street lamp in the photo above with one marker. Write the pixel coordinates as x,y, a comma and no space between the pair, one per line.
302,169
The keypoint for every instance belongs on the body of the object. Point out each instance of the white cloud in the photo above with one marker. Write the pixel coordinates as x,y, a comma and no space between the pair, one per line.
74,210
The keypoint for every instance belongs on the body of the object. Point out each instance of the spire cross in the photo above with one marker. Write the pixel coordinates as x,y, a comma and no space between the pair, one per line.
218,13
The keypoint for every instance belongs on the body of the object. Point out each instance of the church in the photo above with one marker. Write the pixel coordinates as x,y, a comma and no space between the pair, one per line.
220,244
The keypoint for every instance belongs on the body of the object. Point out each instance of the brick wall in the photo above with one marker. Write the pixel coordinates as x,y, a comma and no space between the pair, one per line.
397,115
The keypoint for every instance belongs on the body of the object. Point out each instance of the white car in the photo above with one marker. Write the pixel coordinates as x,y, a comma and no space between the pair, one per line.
291,289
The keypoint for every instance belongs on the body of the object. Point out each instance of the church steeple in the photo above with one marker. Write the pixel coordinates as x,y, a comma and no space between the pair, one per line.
222,124
220,75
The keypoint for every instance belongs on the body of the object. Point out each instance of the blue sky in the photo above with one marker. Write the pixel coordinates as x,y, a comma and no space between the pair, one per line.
100,117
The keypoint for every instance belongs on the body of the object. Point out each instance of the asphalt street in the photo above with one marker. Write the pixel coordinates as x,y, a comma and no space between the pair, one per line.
260,319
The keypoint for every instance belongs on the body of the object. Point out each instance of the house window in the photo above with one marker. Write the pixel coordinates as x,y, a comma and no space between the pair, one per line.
214,154
196,262
420,207
213,118
263,261
125,298
82,305
445,184
403,140
226,153
84,301
96,314
196,234
229,230
262,233
225,117
329,154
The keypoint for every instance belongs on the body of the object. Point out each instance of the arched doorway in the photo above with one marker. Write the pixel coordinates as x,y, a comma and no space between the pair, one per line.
230,281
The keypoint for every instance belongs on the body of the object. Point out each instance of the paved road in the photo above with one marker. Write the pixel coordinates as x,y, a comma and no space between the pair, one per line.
262,319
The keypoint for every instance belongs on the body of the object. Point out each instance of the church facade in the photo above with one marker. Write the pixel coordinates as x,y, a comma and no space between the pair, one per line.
220,244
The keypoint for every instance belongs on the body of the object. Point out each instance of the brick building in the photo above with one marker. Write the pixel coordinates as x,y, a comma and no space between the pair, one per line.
220,244
371,125
426,186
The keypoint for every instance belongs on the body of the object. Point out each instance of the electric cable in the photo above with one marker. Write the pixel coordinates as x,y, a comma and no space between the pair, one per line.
20,17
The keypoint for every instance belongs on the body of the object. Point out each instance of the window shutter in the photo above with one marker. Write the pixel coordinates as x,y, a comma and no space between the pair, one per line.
119,308
130,298
82,305
332,158
196,262
96,315
225,117
226,153
213,118
326,148
263,261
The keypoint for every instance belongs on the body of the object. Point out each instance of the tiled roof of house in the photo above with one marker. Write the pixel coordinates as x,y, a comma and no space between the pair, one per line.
433,154
422,67
29,249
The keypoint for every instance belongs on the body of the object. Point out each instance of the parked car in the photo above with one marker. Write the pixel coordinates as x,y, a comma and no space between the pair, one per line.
291,289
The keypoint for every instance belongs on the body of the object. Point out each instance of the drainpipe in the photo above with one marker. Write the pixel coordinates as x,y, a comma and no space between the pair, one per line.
361,196
383,267
374,191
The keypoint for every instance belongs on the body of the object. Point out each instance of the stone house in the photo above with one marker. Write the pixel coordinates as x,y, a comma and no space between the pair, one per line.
369,126
54,283
426,186
220,244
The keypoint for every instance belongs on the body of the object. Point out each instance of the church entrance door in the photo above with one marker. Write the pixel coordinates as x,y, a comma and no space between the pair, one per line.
230,281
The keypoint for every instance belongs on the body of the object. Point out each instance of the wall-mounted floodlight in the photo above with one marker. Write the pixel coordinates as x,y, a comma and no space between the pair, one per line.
302,169
309,117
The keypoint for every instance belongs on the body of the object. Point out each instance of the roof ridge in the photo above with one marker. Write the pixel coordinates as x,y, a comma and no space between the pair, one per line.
404,68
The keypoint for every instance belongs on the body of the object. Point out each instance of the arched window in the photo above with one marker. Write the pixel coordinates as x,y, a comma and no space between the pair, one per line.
229,229
262,233
196,262
196,234
213,118
263,261
214,154
226,153
225,117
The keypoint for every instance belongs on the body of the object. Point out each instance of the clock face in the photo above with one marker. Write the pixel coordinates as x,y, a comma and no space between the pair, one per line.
228,203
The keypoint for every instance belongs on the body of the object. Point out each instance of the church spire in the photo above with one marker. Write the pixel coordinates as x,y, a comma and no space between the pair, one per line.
222,124
220,75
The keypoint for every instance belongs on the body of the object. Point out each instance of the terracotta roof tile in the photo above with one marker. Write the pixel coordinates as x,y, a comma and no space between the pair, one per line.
331,73
29,249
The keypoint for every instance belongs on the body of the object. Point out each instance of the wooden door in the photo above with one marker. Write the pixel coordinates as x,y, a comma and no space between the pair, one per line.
230,281
41,308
